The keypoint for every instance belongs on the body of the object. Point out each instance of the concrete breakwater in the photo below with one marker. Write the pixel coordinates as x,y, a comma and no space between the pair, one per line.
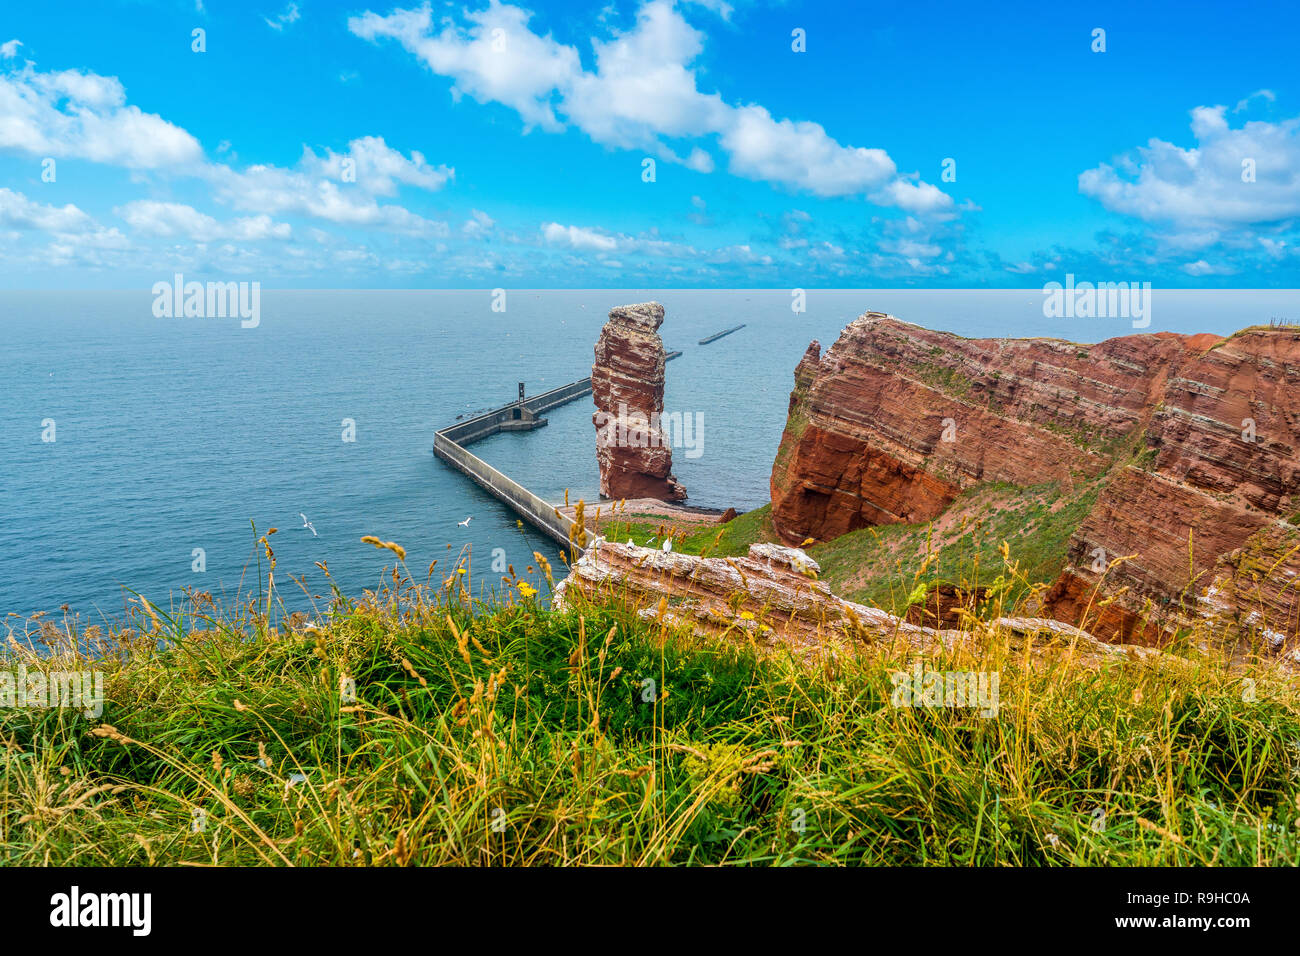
519,415
538,513
717,335
523,414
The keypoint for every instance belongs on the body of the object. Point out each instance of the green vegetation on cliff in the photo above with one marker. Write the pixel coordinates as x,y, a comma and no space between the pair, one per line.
727,540
511,734
883,566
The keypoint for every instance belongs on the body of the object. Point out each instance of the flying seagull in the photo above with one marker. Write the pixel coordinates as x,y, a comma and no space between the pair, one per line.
465,523
307,525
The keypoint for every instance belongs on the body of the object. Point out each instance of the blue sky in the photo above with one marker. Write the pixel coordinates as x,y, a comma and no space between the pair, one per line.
464,145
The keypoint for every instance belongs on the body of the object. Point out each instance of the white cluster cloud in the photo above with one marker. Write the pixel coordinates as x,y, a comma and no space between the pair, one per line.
911,245
478,225
1201,268
169,220
1202,188
643,93
84,115
643,89
76,238
579,237
1244,102
494,58
604,243
18,211
319,188
376,168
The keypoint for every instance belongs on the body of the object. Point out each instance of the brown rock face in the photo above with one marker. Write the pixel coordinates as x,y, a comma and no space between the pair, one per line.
1256,586
947,605
772,598
627,384
1209,520
1198,438
895,420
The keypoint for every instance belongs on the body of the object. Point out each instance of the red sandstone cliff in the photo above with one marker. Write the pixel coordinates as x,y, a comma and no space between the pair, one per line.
894,421
627,384
1210,518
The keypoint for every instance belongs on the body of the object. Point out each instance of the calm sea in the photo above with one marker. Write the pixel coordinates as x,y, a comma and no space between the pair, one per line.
171,435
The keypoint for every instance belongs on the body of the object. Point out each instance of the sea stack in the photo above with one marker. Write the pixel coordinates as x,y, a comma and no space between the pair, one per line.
627,383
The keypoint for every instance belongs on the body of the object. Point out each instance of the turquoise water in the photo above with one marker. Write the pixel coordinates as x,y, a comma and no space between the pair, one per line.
172,434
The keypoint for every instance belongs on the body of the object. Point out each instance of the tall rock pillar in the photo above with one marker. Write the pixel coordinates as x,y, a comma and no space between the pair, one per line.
627,383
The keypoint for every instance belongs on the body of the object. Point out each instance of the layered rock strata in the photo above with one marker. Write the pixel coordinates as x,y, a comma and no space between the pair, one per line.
627,384
1197,438
1206,517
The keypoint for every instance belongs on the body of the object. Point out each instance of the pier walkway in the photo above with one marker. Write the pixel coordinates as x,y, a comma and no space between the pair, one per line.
523,414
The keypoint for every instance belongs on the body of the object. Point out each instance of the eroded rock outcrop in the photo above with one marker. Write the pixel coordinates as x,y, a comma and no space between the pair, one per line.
1196,437
627,384
771,595
894,421
772,598
1207,517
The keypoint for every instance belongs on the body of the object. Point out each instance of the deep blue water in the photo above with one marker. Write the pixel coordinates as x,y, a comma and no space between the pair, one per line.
172,434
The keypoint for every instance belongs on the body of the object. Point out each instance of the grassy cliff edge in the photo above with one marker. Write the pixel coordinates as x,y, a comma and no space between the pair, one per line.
512,734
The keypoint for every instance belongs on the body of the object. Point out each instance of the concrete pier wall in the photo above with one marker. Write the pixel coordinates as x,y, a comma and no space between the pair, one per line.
540,514
449,445
717,335
481,426
558,396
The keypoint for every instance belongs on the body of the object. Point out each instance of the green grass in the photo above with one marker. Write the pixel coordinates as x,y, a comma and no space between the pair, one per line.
511,734
728,540
883,565
950,381
892,566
